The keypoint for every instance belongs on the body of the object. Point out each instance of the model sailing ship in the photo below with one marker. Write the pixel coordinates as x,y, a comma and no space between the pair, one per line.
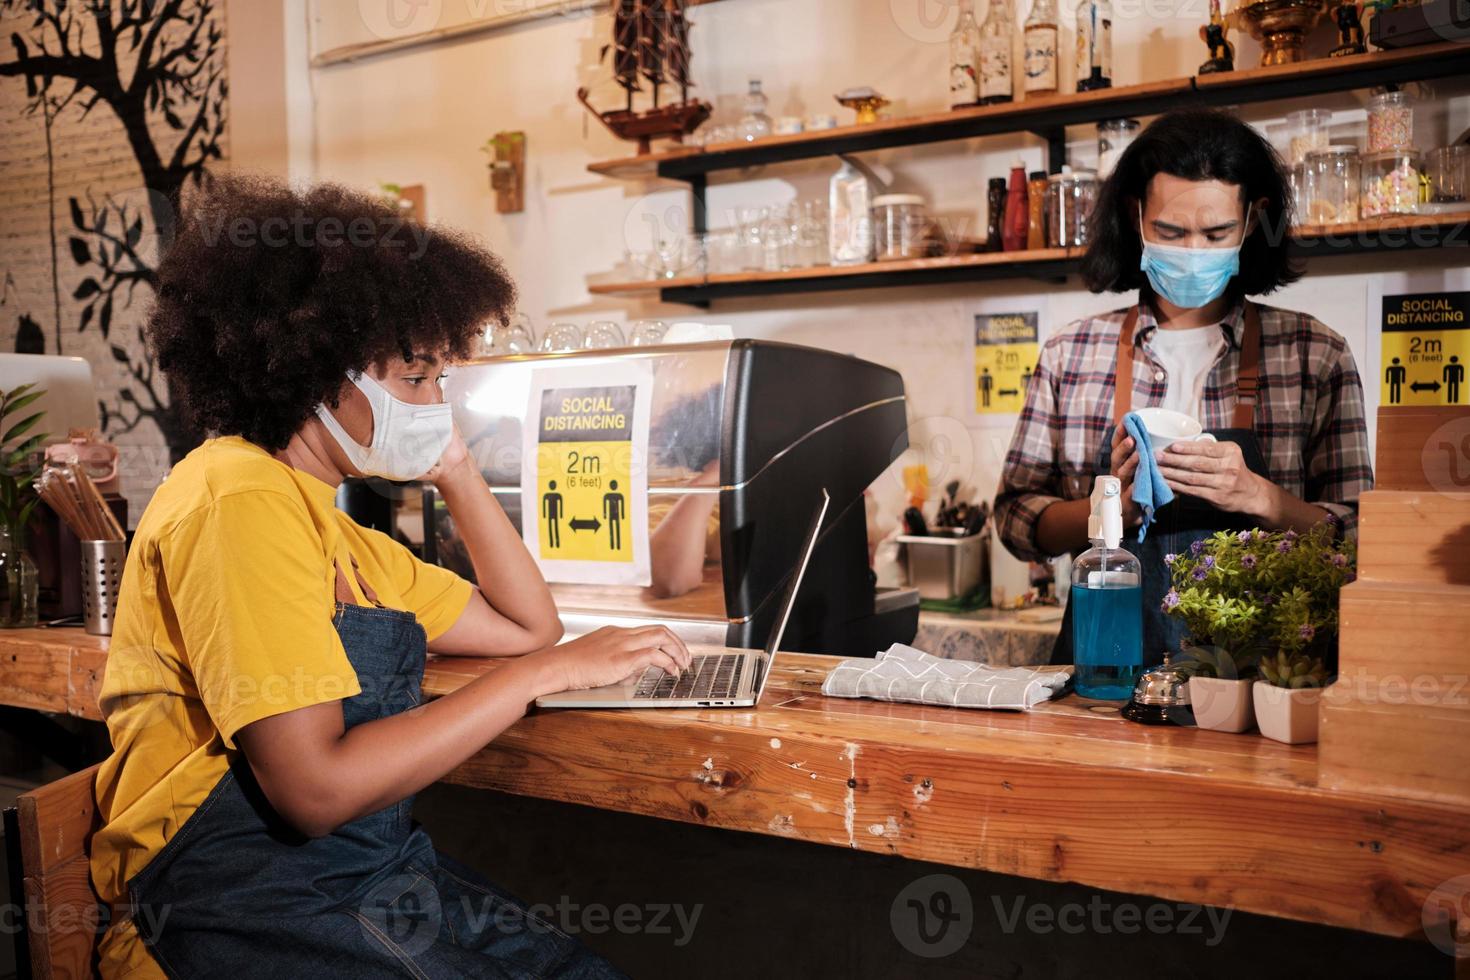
650,45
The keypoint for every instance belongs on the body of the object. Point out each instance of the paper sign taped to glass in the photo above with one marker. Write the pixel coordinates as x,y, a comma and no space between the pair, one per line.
584,473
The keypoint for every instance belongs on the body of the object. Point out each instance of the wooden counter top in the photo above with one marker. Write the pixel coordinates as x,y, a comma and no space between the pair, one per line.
1067,792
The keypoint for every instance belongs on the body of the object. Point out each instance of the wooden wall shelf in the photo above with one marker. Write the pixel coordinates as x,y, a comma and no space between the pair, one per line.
1052,264
1049,116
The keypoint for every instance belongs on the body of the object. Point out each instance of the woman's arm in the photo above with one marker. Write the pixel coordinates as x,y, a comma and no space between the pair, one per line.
512,612
319,775
676,547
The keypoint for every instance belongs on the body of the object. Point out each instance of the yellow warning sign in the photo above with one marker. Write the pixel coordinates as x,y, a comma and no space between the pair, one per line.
1426,346
1005,357
584,473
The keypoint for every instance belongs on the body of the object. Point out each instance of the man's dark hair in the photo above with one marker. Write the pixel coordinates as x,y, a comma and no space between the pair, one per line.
1193,144
269,295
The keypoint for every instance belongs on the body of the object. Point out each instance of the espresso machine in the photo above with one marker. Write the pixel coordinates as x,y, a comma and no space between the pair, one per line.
731,442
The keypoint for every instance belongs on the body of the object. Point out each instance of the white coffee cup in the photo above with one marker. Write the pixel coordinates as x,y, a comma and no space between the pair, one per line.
1166,427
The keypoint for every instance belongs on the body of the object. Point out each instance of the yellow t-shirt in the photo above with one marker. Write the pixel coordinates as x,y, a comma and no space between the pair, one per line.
224,617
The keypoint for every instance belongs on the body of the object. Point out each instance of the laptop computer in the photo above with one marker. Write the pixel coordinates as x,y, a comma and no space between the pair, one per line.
731,679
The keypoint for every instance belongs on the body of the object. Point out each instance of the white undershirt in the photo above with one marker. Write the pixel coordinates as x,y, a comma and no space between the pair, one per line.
1187,355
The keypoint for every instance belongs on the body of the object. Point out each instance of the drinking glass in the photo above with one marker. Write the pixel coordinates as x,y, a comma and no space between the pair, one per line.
562,336
647,333
602,334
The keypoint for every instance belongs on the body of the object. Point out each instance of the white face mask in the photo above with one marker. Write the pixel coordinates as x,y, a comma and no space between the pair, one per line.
408,439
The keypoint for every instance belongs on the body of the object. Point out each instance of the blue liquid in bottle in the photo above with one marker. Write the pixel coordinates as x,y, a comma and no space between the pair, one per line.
1107,640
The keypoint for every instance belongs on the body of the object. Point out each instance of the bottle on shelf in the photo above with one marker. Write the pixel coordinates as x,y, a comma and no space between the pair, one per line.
1094,45
995,218
1018,217
756,123
850,215
964,61
1036,210
996,32
1040,36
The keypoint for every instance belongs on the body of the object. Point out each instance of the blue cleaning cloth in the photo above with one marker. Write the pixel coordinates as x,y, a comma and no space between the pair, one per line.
1150,492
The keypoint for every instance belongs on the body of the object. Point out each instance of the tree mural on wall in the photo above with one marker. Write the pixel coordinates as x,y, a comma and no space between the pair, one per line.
158,66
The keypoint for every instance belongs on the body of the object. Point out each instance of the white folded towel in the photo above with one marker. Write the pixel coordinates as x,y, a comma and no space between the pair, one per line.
902,673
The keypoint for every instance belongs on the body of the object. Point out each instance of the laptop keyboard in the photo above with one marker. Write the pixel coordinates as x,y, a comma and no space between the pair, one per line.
710,675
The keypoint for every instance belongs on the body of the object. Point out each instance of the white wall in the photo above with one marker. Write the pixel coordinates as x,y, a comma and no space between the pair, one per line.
420,116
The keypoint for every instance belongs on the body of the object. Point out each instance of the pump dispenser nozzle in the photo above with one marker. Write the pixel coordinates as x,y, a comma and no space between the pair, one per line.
1105,524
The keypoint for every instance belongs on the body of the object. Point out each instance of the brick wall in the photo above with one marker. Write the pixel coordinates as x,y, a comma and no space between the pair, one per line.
88,158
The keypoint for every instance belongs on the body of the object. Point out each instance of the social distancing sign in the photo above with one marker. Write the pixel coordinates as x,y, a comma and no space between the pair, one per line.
584,484
1006,349
1426,346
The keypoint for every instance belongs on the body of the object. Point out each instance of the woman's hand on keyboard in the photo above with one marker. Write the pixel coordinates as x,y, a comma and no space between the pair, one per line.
612,654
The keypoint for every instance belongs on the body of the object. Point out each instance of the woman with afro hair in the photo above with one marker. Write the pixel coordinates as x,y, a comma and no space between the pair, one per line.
262,689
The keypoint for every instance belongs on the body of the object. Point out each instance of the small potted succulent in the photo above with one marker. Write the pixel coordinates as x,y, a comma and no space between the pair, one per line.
1261,613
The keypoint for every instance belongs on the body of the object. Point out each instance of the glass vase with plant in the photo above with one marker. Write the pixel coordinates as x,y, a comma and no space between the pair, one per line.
1262,602
20,464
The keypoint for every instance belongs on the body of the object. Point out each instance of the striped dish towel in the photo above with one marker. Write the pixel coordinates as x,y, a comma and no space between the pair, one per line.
902,673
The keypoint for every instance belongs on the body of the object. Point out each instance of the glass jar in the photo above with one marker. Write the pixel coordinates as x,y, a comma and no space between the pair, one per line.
19,583
1390,122
1390,184
1113,137
1449,171
1333,183
1070,196
899,222
1299,184
1306,133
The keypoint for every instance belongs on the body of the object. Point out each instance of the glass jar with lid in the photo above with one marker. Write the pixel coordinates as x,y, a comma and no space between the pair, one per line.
1390,122
1113,137
1070,196
1306,133
1390,184
1332,186
900,225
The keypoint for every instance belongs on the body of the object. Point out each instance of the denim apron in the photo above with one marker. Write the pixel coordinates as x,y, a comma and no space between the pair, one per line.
238,893
1185,519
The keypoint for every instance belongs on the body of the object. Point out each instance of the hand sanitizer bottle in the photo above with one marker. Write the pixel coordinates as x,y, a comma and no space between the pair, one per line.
1107,603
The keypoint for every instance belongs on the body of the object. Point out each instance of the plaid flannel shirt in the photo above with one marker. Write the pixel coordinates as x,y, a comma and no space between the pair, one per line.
1309,414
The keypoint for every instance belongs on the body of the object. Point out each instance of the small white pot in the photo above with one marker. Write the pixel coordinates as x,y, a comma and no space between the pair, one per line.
1286,714
1222,704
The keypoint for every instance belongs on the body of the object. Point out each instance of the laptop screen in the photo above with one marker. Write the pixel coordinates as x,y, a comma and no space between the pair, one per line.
793,584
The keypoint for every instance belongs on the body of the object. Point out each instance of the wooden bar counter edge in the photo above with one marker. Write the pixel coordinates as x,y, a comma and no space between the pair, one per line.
1067,792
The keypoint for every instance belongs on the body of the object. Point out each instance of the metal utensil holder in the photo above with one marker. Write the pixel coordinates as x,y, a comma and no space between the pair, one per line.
102,568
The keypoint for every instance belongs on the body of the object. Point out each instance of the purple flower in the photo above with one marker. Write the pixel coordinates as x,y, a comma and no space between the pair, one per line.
1209,561
1170,558
1340,560
1243,537
1171,600
1260,534
1196,547
1333,519
1290,535
1199,573
1307,631
1283,547
1248,561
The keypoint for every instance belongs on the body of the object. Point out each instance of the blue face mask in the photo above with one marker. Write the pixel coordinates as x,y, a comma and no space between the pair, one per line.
1188,277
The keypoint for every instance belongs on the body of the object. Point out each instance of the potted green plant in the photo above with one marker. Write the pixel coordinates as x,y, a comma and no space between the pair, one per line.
19,466
1261,612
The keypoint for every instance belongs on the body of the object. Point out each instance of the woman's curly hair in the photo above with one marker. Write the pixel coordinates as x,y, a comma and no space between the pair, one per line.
269,295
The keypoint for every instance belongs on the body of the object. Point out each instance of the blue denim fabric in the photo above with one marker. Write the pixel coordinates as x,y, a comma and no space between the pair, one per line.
1178,524
237,893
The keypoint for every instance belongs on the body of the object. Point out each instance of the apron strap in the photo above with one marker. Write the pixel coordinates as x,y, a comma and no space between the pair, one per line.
1247,382
1248,378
